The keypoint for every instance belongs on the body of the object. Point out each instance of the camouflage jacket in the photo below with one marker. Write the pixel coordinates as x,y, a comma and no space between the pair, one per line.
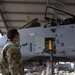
11,58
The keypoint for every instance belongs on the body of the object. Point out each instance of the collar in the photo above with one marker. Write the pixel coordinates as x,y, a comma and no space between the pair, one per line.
9,41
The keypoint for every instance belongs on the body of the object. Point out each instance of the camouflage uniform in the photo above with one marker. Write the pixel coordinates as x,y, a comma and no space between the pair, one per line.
11,60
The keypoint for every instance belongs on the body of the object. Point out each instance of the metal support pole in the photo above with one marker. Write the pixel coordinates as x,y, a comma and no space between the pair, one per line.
49,69
52,69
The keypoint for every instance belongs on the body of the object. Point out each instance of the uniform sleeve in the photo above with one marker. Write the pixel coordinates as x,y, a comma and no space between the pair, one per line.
14,60
13,55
